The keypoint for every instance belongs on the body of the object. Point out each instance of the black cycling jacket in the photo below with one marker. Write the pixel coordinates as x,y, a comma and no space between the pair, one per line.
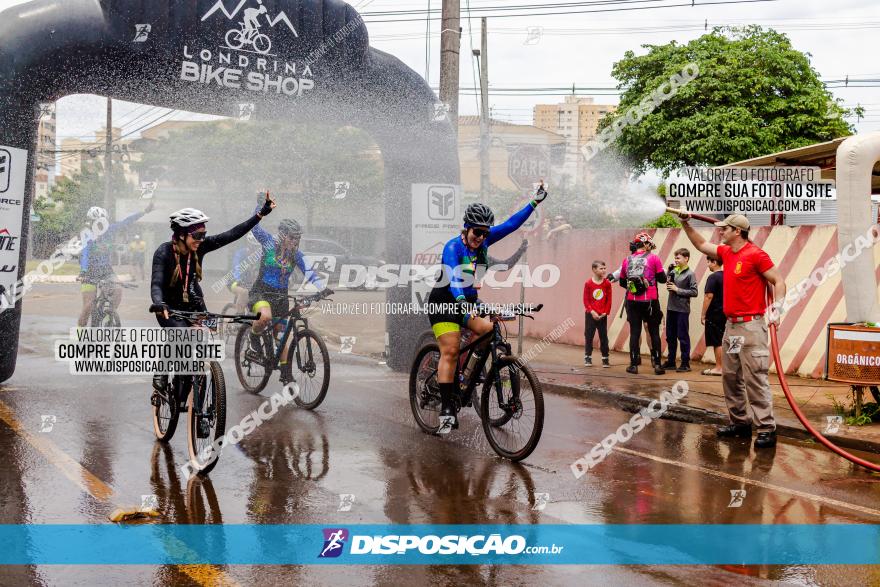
165,264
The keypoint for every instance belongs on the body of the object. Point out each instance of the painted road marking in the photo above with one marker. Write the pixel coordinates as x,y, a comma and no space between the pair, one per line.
91,484
756,483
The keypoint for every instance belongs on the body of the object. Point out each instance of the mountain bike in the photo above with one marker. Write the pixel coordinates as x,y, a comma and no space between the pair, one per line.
238,38
103,314
511,404
307,362
206,391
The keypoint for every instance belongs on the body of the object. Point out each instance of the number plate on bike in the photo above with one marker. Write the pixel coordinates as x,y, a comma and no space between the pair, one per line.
211,323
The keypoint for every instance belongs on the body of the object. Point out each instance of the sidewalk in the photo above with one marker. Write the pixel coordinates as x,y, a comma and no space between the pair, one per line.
561,370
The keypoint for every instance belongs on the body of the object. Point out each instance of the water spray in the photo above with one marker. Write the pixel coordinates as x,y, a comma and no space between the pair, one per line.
774,345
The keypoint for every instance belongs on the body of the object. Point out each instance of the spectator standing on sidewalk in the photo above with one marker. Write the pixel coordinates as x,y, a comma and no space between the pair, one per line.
681,283
597,307
746,357
712,316
639,275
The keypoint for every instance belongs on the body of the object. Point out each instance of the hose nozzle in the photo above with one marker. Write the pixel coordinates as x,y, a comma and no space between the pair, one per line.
684,213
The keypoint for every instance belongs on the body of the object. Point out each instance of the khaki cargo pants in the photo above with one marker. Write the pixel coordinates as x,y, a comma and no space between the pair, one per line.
745,375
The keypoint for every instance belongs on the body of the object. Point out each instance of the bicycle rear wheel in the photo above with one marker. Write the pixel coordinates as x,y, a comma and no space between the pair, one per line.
513,411
252,366
308,366
166,412
207,418
424,390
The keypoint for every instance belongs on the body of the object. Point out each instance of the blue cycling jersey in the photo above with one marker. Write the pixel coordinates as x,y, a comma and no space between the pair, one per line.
97,254
276,268
464,262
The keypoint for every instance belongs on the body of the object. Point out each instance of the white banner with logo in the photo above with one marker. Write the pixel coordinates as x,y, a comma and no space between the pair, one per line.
435,220
13,173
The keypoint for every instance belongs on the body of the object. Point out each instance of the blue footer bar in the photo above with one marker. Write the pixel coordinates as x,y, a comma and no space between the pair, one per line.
379,544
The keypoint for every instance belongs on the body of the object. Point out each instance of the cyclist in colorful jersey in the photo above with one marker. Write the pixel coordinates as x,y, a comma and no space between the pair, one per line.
95,261
465,258
281,257
177,265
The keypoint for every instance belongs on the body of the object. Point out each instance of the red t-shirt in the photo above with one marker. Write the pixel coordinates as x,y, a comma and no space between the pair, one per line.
745,289
597,296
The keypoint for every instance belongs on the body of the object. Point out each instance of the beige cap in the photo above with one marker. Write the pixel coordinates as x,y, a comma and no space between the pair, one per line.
736,221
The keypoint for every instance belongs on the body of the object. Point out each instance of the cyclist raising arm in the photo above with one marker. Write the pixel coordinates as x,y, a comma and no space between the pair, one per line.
465,257
281,256
177,265
95,262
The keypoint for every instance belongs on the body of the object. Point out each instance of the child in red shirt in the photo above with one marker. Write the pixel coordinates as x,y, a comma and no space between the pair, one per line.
597,307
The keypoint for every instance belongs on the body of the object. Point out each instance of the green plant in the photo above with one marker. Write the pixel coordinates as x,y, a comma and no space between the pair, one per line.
859,414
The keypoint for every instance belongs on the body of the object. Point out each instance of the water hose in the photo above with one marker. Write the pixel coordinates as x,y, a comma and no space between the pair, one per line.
774,346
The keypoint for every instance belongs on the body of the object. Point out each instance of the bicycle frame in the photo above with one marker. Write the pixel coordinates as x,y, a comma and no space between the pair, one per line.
465,353
292,321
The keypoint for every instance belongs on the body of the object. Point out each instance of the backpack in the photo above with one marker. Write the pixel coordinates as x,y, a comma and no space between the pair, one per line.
636,282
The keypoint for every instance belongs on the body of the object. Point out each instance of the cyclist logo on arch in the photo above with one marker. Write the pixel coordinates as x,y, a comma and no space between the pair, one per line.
249,34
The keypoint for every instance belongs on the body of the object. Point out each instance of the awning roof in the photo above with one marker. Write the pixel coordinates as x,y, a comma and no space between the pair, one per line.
822,155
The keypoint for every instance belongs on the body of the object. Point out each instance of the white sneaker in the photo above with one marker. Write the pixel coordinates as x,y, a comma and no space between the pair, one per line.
447,423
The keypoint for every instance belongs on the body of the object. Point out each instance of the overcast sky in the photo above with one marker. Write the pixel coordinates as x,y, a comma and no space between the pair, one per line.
841,36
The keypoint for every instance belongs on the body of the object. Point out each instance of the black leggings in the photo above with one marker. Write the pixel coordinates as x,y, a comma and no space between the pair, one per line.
591,326
638,312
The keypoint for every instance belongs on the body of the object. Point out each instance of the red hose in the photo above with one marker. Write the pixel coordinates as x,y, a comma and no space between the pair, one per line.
774,345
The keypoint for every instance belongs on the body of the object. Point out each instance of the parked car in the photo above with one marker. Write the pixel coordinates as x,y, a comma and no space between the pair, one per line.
328,257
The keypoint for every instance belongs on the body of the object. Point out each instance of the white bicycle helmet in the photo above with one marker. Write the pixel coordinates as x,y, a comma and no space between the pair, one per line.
96,212
187,217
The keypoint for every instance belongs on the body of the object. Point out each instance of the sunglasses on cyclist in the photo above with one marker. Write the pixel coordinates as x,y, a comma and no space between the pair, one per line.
199,236
480,232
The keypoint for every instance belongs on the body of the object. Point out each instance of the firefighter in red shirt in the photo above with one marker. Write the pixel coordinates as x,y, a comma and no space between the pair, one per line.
597,307
746,358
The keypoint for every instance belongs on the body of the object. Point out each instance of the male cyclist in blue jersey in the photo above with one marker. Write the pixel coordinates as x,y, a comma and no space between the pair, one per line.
465,257
281,256
95,261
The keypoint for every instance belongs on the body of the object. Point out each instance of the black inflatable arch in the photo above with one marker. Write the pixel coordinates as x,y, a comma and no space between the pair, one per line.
314,62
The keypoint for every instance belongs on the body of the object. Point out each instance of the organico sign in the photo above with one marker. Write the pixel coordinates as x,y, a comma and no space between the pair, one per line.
245,60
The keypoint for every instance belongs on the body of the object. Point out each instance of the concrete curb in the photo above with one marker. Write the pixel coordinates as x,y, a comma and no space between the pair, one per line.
693,415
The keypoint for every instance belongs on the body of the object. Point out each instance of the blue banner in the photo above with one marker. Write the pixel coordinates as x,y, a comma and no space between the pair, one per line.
380,544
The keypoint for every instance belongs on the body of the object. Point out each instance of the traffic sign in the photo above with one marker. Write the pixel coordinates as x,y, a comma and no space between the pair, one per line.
528,164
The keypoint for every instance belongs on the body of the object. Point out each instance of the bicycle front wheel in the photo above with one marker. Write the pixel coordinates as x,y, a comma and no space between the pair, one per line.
308,366
512,409
207,418
424,390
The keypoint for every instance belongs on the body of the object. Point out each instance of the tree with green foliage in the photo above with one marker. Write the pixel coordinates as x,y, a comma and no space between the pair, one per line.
235,158
755,94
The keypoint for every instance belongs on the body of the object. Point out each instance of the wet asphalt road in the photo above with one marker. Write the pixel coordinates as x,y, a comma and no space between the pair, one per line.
101,454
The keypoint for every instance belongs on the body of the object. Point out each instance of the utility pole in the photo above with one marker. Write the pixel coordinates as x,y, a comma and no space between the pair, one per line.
485,128
108,154
450,43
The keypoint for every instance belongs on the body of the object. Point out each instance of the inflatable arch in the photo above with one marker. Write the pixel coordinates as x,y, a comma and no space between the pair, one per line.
309,59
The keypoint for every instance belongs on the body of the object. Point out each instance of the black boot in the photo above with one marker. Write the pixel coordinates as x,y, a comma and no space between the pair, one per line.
448,420
658,368
633,363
